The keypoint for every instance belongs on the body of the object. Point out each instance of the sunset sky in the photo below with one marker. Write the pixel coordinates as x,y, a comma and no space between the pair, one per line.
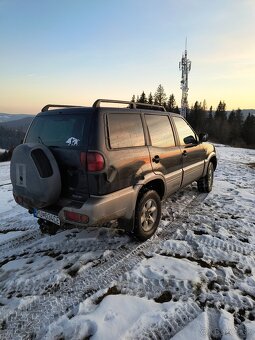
75,51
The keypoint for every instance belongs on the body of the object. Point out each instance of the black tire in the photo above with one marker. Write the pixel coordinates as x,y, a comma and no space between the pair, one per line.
205,183
147,215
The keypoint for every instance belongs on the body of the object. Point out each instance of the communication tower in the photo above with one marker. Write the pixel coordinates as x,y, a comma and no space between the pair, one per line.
184,66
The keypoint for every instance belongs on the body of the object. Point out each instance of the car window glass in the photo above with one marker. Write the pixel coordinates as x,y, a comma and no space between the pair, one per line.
57,130
160,131
186,134
125,130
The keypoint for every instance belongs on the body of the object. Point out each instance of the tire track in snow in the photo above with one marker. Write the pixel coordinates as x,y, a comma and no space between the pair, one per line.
75,246
45,309
33,286
168,325
2,185
19,241
227,244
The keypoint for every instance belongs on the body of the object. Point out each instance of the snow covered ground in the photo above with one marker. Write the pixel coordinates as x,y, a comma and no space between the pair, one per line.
195,279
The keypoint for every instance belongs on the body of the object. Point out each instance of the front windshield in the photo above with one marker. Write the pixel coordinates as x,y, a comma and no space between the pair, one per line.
57,130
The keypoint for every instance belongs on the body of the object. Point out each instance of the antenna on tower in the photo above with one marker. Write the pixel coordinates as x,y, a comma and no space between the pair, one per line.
185,67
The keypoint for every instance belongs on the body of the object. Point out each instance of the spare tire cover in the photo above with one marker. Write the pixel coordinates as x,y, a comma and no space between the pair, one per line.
35,175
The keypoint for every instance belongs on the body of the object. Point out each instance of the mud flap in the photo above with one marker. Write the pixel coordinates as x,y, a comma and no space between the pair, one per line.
127,224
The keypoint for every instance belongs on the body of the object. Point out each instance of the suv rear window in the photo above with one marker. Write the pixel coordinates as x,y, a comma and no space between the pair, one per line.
57,130
125,130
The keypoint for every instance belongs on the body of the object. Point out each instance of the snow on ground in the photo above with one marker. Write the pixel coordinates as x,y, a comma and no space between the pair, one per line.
194,279
4,172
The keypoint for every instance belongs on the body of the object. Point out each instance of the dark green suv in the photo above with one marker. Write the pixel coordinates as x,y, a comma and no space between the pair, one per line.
89,165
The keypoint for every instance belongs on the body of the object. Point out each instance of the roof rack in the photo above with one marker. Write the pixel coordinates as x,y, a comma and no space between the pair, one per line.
46,107
133,105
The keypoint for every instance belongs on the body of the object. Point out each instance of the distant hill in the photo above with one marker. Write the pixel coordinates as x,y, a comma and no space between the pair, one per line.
15,121
12,129
21,124
247,111
8,117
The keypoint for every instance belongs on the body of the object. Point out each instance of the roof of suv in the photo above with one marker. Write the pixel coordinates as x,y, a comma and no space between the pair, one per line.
134,107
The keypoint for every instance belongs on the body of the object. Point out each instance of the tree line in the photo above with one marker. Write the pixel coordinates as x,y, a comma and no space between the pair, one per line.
222,127
159,98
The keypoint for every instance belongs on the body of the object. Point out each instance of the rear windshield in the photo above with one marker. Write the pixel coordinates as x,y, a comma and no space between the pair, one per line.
58,130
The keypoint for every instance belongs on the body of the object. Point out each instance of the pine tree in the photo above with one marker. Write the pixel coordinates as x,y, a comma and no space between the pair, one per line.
171,104
222,129
176,110
160,96
143,98
211,112
235,121
132,100
248,131
220,113
209,125
150,99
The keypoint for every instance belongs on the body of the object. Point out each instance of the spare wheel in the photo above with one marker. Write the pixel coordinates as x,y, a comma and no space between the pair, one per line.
35,176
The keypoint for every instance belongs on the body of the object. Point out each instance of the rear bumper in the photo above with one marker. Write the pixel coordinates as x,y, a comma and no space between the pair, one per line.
101,209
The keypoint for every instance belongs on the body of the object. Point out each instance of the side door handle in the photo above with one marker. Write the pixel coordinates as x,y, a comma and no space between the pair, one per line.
184,153
156,159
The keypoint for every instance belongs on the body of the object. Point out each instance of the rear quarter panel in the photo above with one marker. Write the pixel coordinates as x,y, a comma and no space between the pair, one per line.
123,167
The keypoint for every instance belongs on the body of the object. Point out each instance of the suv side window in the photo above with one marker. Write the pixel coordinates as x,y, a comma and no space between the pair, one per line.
125,130
186,134
160,131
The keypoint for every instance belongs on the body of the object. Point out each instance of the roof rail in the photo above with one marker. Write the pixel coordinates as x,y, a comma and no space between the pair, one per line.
46,107
133,105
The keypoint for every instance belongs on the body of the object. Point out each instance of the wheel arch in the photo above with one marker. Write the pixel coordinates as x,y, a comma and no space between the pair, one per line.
157,185
213,159
128,221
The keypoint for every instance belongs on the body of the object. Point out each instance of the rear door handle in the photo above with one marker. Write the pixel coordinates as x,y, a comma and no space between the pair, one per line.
156,159
184,153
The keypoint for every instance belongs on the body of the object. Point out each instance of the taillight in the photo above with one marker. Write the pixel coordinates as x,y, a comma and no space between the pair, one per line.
92,161
76,217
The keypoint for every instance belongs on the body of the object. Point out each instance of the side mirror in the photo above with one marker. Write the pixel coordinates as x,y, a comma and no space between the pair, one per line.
190,140
203,137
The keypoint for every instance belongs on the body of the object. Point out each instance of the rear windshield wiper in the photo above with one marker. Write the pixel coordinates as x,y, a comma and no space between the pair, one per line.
48,146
